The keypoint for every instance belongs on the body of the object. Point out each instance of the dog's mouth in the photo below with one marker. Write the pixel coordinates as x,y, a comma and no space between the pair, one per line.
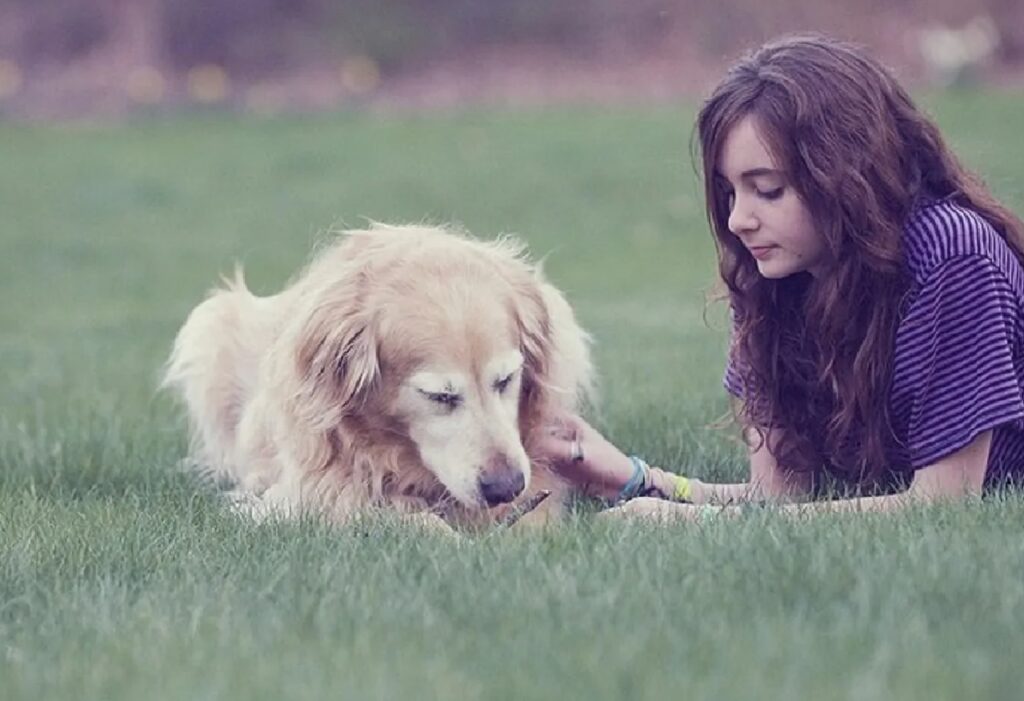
490,492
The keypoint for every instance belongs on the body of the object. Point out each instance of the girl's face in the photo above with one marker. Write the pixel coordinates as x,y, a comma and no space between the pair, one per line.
765,212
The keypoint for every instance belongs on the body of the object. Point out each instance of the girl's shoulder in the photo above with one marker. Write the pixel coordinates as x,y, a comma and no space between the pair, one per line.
939,231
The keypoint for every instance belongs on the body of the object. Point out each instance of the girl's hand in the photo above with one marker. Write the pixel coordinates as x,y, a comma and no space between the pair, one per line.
580,454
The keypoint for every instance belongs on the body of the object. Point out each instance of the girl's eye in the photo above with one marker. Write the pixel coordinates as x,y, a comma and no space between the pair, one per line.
771,194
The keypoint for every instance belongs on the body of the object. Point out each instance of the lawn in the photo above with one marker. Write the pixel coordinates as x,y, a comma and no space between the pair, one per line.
121,578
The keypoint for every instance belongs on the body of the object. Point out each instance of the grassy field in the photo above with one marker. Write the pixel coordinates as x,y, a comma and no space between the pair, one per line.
122,579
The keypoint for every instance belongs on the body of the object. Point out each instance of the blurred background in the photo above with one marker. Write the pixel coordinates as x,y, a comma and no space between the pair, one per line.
64,59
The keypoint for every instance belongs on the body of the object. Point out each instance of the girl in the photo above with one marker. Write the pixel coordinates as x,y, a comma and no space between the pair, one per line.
877,296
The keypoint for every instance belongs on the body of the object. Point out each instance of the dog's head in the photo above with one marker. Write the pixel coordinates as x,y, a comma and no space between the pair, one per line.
456,346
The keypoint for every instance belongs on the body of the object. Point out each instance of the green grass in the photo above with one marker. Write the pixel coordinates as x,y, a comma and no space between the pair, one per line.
121,578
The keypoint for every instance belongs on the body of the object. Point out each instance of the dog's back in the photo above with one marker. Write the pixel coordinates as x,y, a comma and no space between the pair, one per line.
213,368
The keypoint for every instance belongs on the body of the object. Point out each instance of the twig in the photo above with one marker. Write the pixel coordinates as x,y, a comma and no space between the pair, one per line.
524,508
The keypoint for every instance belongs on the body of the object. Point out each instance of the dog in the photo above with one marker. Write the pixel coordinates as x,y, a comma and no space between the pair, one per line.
410,368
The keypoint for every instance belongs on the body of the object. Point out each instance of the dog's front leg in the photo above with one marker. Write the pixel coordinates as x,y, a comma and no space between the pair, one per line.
413,512
431,524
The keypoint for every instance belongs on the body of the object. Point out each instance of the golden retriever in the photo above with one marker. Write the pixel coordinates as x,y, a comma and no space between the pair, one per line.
406,367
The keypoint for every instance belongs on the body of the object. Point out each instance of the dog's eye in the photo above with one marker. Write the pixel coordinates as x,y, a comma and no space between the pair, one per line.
502,384
449,399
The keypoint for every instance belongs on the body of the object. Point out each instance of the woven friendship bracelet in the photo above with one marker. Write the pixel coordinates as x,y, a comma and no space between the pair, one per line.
654,481
637,481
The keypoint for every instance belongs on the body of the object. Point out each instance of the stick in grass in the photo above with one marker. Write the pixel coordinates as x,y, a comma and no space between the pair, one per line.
524,508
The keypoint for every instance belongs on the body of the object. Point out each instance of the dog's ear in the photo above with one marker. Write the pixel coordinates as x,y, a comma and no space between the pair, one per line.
557,372
334,356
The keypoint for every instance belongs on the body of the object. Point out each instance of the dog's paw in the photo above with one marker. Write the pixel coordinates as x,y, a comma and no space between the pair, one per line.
432,524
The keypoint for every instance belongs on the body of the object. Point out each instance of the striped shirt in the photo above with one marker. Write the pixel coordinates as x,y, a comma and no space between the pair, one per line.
958,363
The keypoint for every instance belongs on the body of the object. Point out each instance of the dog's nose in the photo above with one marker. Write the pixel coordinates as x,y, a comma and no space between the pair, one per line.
500,487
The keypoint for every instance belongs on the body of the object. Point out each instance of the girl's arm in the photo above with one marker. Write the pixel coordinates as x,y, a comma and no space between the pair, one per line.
603,470
956,476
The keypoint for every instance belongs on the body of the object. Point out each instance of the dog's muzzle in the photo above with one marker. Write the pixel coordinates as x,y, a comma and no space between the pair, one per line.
501,486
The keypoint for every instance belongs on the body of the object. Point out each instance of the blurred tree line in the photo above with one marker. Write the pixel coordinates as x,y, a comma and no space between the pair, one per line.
251,37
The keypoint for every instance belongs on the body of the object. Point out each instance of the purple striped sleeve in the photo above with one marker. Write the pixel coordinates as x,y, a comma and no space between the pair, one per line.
736,379
732,379
953,369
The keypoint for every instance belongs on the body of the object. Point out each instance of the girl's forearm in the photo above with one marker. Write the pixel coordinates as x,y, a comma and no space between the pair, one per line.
878,504
716,493
888,502
680,488
696,491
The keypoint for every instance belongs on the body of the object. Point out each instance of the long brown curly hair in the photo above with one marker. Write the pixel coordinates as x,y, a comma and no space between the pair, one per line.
815,353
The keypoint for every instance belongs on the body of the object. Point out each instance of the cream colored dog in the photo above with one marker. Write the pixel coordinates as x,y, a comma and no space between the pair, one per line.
406,367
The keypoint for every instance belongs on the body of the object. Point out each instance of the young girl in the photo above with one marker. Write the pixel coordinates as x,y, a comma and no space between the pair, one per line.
877,296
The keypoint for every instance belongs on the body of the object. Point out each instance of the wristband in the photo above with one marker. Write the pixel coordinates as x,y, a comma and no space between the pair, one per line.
667,485
683,490
637,481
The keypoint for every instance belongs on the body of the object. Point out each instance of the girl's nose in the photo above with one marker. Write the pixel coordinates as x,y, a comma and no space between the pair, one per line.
742,218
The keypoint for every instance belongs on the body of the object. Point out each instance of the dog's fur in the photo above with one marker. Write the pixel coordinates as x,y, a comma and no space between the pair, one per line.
406,367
